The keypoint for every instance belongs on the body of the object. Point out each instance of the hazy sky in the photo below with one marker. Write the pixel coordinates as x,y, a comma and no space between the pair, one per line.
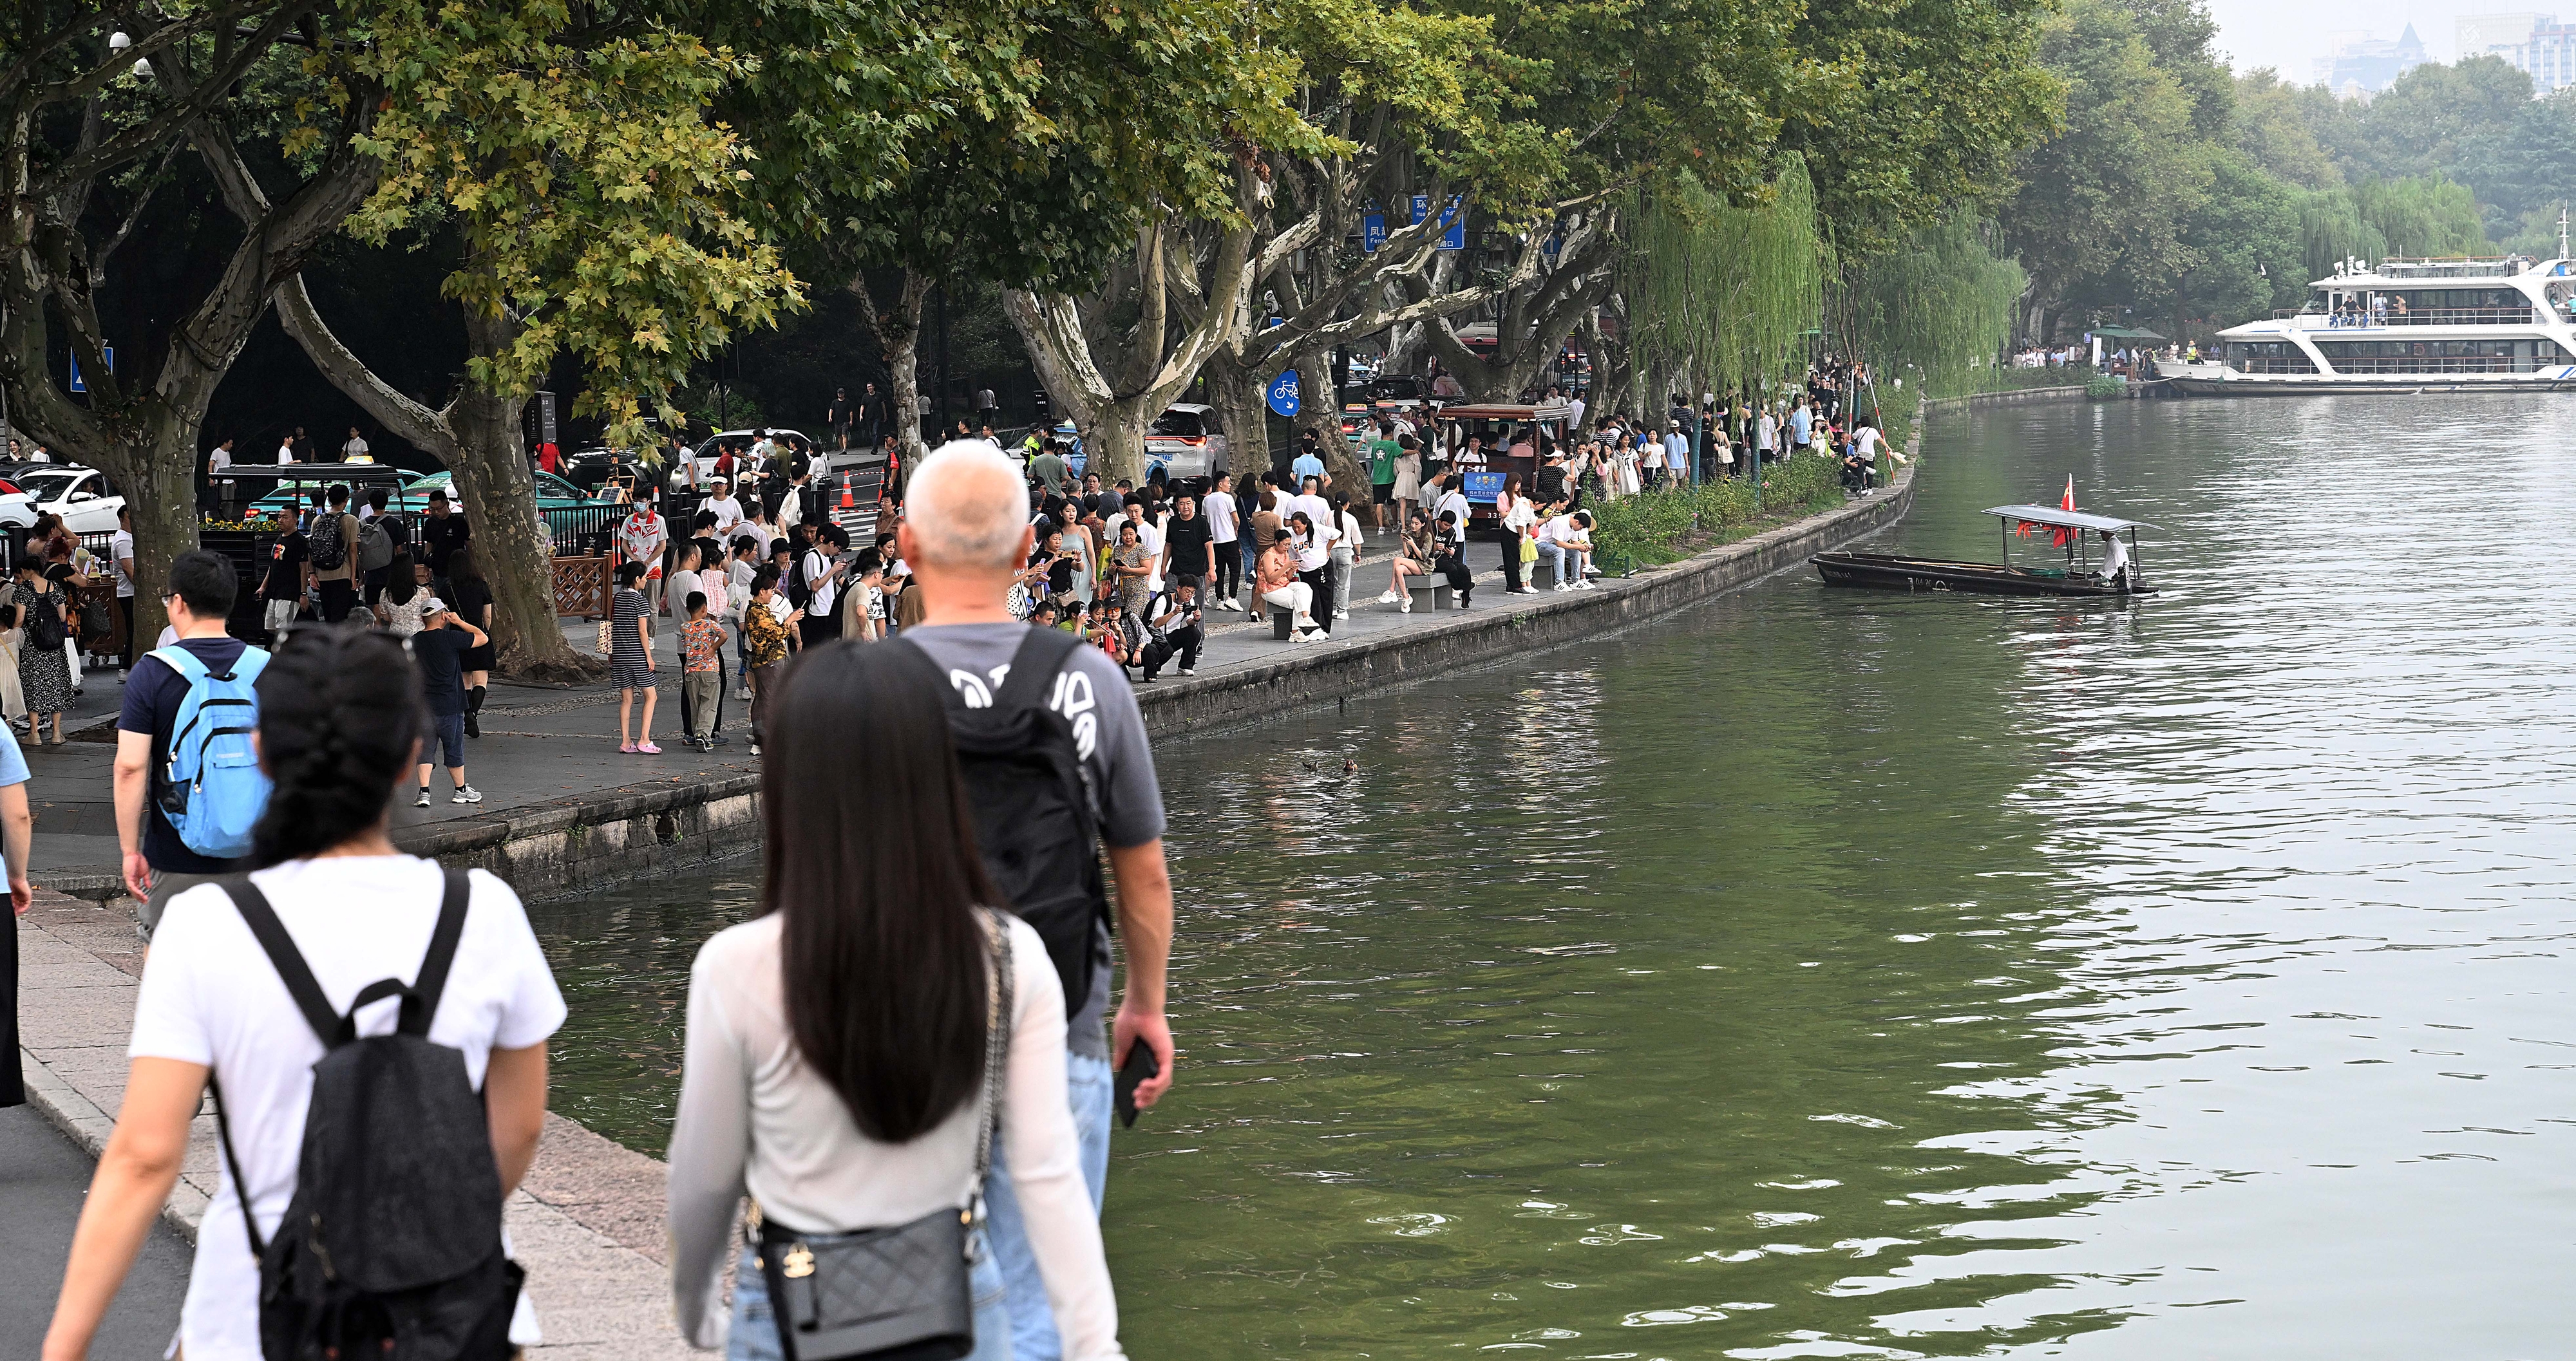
2291,34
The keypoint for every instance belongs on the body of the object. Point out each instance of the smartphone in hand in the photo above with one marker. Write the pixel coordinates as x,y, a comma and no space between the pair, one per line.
1139,1066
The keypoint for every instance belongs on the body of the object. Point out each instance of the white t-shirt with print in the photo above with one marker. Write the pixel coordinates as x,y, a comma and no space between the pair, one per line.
210,996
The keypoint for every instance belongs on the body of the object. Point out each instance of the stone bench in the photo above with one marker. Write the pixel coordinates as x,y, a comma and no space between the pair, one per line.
1435,586
1283,620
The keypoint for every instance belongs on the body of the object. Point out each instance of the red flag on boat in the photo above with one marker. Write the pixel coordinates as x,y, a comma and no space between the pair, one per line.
2066,502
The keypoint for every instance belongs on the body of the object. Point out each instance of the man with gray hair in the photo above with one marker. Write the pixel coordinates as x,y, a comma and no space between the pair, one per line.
966,534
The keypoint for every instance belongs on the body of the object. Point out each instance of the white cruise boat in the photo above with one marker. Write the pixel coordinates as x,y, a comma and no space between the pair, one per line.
2450,325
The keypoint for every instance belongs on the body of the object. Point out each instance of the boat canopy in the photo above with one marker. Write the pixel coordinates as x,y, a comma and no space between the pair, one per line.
2066,519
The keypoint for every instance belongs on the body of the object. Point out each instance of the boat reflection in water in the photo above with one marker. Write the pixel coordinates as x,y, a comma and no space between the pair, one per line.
2077,577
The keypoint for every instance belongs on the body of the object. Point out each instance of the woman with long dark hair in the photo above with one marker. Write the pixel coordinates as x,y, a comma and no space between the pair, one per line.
340,721
838,1044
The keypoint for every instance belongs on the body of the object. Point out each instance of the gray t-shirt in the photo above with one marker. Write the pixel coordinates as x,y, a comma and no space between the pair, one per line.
1108,729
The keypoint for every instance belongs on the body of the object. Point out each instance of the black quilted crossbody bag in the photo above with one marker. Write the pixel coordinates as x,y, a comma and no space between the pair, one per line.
903,1293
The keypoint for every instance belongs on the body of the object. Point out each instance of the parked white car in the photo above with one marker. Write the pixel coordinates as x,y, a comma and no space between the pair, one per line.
84,497
1185,441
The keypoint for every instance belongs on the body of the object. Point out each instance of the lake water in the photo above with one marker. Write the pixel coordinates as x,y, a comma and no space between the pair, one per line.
1836,973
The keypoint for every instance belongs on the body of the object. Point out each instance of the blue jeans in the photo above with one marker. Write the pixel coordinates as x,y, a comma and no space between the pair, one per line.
1089,1090
1568,562
754,1336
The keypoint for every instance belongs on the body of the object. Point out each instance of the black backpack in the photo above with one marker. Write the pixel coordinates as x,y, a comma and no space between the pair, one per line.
330,550
44,624
1033,808
392,1244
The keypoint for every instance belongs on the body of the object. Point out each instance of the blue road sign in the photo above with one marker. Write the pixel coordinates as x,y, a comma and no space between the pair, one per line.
1372,232
1282,394
1455,215
107,352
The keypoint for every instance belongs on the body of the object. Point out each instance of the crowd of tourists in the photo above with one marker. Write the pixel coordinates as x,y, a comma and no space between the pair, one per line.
899,1079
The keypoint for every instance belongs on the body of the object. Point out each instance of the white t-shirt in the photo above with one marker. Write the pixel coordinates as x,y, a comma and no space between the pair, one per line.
286,452
815,563
355,451
1219,510
218,460
1576,421
120,550
210,996
1453,503
728,513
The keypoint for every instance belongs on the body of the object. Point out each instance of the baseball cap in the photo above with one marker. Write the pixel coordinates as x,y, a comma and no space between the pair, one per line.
433,605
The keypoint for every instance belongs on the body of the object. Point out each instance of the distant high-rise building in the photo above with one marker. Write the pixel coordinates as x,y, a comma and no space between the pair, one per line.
2359,64
2481,34
2535,44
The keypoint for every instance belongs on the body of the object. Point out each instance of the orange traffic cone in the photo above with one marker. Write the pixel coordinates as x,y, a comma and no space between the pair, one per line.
847,502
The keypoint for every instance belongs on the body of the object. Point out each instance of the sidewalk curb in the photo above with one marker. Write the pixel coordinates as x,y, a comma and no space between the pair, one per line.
1339,671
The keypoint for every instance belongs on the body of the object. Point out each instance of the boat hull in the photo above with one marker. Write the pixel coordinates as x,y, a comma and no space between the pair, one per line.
2286,386
1879,571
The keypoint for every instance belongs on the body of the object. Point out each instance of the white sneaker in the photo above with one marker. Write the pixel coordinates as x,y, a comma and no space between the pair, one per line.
1387,599
1404,605
742,692
1189,671
1341,614
1561,586
1587,584
469,794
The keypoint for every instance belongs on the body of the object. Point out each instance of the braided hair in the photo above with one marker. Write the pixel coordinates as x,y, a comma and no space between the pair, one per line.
339,716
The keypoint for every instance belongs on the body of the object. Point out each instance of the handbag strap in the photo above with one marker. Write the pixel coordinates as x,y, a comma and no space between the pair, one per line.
998,1009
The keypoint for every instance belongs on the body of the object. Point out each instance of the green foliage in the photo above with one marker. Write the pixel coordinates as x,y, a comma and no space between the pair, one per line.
2378,218
1735,288
1920,115
2241,250
2104,387
1938,310
2103,204
597,205
1661,526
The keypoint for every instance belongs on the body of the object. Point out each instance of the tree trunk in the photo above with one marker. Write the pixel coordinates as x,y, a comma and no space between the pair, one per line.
491,471
477,439
1242,413
898,337
1115,444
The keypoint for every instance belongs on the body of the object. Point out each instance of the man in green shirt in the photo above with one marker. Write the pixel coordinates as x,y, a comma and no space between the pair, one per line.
1382,453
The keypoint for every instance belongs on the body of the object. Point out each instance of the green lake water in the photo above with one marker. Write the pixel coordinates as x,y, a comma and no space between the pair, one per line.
1838,973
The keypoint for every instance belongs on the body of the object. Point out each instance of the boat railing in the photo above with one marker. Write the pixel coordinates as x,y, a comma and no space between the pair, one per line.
2422,316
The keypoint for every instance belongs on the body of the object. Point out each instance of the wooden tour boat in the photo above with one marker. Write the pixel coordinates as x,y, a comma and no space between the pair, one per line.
1888,573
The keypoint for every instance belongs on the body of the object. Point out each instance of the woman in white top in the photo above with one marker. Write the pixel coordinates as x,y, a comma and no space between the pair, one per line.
836,1044
339,723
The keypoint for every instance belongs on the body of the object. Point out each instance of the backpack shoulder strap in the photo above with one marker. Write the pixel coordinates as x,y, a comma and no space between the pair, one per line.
181,660
1041,654
272,937
420,1004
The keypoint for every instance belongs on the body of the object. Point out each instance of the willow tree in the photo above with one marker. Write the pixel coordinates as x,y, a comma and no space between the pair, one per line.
1941,305
1721,293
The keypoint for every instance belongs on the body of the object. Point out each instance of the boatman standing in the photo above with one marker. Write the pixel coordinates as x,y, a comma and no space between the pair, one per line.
2115,559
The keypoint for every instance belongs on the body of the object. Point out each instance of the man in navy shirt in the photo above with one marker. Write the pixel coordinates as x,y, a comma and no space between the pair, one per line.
157,863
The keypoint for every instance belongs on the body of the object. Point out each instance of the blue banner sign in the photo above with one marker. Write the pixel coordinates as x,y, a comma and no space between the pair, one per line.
1483,486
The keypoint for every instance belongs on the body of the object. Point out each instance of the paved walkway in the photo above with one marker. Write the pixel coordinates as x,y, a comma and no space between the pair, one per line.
586,1224
43,1178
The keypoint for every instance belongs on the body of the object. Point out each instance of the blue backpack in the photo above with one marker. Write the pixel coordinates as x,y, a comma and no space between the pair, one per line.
212,789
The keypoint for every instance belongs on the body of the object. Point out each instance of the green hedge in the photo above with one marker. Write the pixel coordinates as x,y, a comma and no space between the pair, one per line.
1649,527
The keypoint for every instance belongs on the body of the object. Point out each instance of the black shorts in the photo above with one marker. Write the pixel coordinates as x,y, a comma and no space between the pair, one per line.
1382,493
